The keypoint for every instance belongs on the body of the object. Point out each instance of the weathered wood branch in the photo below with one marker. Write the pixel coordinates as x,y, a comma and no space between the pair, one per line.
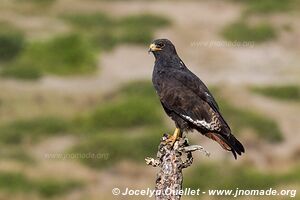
169,159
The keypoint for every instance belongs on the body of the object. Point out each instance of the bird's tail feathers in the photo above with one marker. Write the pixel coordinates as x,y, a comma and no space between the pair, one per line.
229,143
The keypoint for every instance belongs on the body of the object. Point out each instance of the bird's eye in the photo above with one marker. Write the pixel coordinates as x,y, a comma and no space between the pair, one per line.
160,45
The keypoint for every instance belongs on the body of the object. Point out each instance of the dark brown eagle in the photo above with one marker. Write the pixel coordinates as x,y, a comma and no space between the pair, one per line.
187,100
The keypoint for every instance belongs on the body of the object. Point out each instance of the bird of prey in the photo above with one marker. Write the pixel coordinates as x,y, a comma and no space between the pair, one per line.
187,100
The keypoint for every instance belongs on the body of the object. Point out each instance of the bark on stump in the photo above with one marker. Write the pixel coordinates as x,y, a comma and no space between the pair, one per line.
169,159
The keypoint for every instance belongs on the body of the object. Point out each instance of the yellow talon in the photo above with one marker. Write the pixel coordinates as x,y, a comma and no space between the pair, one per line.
172,139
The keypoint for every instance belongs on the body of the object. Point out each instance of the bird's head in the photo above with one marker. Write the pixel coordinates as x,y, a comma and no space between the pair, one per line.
162,47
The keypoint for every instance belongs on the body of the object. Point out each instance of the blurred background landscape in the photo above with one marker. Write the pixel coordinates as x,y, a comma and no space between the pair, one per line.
78,113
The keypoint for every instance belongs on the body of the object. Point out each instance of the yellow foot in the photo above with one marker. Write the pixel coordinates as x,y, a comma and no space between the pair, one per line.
172,138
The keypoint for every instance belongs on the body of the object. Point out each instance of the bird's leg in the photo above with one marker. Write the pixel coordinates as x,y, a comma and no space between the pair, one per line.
172,139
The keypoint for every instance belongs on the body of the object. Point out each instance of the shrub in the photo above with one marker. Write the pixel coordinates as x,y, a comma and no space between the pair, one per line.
126,113
38,2
89,21
64,55
16,153
21,72
207,176
263,126
241,118
14,182
105,32
241,31
144,20
128,127
119,146
133,105
51,187
285,92
269,6
31,129
11,42
48,187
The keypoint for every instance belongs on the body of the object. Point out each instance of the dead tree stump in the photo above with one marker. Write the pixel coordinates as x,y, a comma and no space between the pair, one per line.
169,159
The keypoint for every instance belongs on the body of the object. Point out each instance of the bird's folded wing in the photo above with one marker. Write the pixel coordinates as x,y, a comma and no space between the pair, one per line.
191,81
178,98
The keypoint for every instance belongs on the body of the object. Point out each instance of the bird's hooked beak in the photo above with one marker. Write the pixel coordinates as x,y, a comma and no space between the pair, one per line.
153,48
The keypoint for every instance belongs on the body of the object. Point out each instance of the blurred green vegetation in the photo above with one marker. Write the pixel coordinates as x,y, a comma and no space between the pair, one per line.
121,126
31,130
242,31
47,187
88,21
37,2
128,127
285,92
106,32
16,153
133,105
241,118
269,6
207,176
73,54
124,113
21,72
131,119
63,55
11,42
128,144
